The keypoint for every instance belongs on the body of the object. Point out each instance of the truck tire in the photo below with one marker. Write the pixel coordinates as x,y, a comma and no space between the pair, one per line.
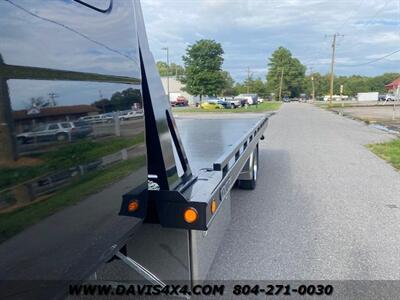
251,183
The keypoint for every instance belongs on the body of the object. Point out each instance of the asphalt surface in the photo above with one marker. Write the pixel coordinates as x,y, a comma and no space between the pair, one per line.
325,207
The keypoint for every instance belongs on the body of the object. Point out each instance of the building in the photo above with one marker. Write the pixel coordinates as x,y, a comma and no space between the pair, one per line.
26,119
176,89
394,87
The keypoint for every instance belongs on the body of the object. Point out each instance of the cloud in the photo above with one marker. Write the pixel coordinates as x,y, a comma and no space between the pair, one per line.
250,31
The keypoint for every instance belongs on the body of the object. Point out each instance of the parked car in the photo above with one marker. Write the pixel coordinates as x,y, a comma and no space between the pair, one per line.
250,98
387,97
55,132
80,129
224,103
180,101
235,102
107,117
242,101
129,115
96,119
220,101
210,104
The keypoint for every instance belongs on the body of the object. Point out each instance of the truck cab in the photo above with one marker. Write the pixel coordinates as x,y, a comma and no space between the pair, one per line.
149,198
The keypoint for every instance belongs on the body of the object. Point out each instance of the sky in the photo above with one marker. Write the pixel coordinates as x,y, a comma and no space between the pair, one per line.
249,31
66,35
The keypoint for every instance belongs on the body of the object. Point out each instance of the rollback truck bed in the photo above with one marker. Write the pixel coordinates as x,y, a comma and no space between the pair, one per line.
96,217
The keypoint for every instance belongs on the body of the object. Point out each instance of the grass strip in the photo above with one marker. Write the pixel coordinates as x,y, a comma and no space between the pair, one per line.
389,151
16,221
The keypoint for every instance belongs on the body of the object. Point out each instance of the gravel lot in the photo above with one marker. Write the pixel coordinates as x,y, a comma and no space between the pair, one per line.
380,114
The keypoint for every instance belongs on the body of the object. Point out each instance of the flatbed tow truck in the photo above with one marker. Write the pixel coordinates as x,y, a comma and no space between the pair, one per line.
90,207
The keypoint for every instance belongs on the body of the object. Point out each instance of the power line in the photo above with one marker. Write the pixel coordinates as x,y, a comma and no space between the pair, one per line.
379,11
374,60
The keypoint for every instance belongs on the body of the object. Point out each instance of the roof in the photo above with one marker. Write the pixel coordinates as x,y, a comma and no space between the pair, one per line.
394,84
54,111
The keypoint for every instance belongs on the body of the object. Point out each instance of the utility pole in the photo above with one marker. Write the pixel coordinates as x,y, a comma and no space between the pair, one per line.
166,48
52,97
332,67
280,85
312,84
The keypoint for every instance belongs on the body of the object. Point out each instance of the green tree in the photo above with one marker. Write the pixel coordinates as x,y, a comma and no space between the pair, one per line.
162,68
321,84
119,101
174,69
378,83
253,86
351,84
293,73
203,63
228,89
257,86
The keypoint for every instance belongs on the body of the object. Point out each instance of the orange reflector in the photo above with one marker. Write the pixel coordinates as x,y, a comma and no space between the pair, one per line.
213,206
133,206
190,215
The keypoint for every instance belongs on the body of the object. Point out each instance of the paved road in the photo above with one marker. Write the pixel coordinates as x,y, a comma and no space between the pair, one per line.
325,207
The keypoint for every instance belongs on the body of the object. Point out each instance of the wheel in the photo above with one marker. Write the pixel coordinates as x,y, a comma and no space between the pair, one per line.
61,137
250,184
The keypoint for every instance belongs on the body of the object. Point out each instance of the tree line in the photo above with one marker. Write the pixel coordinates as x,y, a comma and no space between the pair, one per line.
203,75
123,100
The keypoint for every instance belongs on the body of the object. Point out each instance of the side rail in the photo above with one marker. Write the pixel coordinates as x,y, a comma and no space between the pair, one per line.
196,207
224,163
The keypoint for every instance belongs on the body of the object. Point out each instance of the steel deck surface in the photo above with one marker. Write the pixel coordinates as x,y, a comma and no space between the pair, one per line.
206,138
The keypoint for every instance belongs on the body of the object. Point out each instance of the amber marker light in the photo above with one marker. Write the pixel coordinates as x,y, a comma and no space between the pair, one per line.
190,215
213,206
133,206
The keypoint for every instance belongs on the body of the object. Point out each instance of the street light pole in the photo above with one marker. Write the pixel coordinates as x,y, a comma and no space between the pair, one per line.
166,48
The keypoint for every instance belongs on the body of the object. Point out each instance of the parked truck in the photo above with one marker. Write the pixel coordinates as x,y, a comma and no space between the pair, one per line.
150,205
370,96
